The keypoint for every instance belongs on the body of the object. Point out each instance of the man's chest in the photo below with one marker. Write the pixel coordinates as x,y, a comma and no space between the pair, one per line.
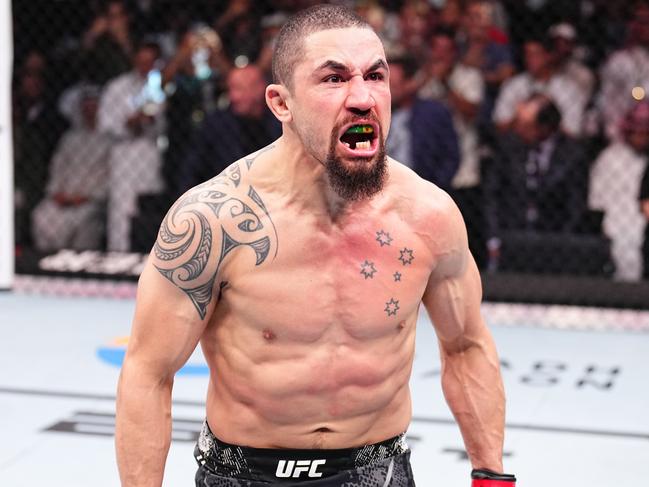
367,281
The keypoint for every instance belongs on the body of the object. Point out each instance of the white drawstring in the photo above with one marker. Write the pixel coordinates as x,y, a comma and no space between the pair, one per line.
388,477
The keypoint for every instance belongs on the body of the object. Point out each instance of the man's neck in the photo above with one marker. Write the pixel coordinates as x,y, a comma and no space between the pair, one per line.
304,181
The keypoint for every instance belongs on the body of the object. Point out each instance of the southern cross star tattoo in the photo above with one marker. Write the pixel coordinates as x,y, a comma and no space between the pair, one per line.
368,270
383,238
397,276
406,256
391,307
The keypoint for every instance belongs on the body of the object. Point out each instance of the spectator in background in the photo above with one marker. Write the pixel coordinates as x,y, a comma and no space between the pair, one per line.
421,133
614,188
484,47
461,88
384,22
130,112
541,76
72,213
537,179
415,23
270,26
644,206
106,52
239,28
109,44
37,127
453,15
228,135
625,74
190,79
450,15
532,18
564,38
602,27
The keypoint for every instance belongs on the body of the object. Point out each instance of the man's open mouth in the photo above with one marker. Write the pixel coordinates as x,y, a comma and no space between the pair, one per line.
359,137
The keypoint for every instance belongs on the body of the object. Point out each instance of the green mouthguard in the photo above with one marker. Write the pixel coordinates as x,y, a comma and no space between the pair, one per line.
360,129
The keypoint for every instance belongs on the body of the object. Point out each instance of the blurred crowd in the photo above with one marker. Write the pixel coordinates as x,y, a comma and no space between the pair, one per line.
532,114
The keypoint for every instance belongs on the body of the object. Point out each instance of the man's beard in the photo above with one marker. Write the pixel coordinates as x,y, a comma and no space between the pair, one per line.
361,177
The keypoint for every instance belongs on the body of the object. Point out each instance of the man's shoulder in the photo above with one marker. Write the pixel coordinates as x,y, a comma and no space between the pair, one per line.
234,181
208,222
425,199
119,81
619,59
615,157
519,82
616,150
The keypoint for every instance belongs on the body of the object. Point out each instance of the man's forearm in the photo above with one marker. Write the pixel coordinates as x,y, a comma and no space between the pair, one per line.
143,428
474,391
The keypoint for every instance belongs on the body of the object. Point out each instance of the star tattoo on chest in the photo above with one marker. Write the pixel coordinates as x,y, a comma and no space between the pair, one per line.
368,270
383,238
406,256
392,306
397,276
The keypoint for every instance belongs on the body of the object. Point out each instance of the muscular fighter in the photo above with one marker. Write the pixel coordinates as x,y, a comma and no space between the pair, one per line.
300,270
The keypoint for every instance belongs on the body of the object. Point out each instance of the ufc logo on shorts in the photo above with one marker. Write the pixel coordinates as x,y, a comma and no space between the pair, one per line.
292,468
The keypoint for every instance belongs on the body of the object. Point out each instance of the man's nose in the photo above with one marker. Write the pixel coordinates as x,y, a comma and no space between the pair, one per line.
359,97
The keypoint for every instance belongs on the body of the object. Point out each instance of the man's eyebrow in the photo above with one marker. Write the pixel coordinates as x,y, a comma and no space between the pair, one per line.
377,65
338,66
335,65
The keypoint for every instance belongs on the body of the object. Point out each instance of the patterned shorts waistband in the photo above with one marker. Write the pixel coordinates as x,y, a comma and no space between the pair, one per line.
277,465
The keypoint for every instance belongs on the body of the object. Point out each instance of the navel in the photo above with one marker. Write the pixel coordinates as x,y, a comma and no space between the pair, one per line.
401,325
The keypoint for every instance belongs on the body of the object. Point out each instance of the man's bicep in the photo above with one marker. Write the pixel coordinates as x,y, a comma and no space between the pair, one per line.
452,301
166,327
176,290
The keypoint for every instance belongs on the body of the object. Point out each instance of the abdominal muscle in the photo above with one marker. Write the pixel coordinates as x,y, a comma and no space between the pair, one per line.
337,392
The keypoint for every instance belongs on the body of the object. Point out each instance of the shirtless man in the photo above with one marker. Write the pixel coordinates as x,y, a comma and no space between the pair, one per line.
300,269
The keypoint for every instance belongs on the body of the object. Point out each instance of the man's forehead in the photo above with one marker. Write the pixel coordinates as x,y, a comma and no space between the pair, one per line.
353,47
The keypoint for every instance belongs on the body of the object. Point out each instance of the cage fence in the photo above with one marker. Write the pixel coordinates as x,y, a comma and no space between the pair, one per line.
532,115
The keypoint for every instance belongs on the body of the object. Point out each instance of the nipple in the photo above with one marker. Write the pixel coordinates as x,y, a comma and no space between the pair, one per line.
268,334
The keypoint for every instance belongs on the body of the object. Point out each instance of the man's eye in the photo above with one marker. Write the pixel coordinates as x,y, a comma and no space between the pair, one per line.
334,78
375,76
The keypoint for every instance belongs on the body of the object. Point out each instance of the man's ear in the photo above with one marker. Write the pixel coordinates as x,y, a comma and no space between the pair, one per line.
276,99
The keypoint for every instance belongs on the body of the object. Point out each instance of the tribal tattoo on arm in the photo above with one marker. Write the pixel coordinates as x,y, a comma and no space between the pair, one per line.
204,227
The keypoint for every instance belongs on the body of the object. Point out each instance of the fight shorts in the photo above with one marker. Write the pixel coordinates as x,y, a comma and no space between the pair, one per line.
220,464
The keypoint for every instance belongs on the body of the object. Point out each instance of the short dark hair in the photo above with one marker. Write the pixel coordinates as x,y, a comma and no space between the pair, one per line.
541,38
148,43
444,31
549,115
289,46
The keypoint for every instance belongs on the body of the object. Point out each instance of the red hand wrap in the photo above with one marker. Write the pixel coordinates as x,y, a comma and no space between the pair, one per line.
491,483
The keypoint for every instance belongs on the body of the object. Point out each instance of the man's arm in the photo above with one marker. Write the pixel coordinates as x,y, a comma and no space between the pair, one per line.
177,295
471,378
173,306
